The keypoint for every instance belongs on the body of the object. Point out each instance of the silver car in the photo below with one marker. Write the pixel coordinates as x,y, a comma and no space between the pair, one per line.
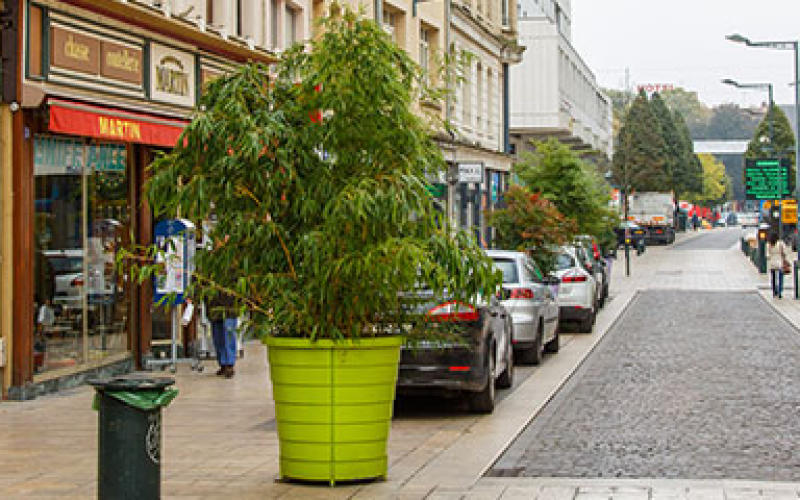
530,299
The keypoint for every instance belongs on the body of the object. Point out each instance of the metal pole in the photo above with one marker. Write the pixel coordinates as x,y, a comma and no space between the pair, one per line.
626,234
771,116
797,131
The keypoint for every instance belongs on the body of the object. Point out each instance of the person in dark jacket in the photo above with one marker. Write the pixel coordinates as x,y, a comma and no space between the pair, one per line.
221,312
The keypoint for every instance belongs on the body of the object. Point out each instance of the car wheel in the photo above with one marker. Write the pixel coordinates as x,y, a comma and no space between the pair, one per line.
533,355
588,322
554,344
483,401
506,379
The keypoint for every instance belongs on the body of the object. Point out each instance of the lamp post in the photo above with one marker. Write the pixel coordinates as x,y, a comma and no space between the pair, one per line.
771,133
794,46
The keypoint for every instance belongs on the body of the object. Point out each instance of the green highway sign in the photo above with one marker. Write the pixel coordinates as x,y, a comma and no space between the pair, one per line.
768,179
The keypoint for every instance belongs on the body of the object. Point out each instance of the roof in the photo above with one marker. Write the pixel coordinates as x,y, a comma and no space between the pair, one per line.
720,147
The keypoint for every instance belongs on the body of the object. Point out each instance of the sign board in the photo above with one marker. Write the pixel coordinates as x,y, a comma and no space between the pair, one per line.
789,211
470,172
61,156
768,179
79,56
176,240
172,75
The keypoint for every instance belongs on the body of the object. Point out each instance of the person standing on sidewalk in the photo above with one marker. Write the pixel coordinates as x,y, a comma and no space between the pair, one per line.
778,262
222,314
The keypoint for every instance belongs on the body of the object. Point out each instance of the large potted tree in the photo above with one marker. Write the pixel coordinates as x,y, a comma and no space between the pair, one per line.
315,174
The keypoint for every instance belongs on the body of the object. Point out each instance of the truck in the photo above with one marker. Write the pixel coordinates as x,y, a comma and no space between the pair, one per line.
655,212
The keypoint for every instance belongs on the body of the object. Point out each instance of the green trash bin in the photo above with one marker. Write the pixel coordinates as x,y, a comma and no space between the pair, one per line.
129,436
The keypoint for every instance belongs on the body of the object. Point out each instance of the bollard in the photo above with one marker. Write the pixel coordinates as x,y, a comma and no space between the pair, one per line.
129,436
796,280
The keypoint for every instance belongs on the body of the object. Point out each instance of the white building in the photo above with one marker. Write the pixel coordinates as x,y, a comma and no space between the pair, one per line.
553,91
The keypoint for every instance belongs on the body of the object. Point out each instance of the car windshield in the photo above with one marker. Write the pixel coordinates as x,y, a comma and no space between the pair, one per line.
509,269
64,265
564,261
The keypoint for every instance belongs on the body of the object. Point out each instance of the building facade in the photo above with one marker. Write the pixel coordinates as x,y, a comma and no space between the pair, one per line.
102,87
553,91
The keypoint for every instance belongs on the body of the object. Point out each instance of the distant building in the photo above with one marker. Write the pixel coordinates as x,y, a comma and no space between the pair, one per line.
553,92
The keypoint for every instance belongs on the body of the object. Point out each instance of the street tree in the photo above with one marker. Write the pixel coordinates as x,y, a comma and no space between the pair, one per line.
673,145
575,187
773,138
531,223
314,173
640,150
690,174
716,184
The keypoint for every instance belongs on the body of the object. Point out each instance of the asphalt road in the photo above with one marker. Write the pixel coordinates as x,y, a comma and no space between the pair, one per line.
715,239
688,384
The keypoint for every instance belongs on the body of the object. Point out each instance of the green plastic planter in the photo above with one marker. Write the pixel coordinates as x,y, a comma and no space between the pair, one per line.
333,404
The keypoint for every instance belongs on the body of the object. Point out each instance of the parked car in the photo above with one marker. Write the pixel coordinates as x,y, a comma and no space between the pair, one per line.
66,268
597,265
577,293
529,299
637,235
470,363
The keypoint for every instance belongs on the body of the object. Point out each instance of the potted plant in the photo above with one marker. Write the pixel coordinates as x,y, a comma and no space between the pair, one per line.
315,176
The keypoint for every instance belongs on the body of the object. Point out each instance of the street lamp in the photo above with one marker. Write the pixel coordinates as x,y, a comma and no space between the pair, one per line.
771,136
784,45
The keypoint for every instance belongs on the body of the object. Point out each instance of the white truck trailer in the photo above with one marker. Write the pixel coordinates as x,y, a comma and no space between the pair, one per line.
655,212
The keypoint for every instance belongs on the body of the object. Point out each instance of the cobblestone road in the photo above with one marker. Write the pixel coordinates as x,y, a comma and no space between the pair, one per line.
701,385
718,239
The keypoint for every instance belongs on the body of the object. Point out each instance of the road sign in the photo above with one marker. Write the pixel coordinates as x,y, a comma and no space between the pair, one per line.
470,172
768,179
789,212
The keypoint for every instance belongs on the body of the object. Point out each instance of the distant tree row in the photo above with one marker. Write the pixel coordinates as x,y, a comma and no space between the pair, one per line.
723,122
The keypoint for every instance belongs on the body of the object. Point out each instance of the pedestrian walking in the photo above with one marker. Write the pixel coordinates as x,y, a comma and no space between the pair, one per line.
695,221
221,312
778,263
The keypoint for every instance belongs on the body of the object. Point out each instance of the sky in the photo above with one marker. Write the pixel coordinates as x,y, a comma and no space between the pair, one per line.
682,42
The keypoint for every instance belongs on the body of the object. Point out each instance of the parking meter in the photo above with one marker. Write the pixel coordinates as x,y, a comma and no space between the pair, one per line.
763,231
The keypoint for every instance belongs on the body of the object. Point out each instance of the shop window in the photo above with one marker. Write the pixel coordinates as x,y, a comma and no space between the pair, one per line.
82,218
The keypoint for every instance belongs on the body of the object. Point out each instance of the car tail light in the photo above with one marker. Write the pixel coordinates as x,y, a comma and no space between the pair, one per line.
521,293
76,282
460,368
596,251
453,311
573,279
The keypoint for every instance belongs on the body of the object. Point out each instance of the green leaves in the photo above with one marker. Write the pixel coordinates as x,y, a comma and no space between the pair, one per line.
319,227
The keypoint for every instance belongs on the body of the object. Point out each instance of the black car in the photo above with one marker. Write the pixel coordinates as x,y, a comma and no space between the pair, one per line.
470,361
637,235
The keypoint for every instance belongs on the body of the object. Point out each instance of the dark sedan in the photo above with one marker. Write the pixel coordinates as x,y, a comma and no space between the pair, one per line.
473,358
637,235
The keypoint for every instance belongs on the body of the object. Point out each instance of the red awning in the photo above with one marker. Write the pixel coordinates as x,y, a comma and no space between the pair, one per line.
70,117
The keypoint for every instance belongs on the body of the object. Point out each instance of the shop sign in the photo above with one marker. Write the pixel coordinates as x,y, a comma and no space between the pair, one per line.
85,53
172,75
63,156
58,156
107,123
75,51
470,172
121,62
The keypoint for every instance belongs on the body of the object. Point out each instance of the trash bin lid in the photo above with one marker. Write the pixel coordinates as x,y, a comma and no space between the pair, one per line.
131,383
